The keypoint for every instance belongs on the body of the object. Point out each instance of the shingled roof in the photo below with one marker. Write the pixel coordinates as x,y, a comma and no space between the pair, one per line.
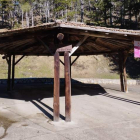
92,39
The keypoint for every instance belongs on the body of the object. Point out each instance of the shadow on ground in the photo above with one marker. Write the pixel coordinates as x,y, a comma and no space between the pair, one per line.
34,93
38,91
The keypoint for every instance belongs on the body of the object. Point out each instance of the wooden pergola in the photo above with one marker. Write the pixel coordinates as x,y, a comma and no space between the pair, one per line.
66,39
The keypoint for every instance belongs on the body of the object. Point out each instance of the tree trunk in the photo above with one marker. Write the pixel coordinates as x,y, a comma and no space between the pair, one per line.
110,14
47,11
89,3
22,19
66,13
76,11
32,17
136,19
105,17
82,10
27,19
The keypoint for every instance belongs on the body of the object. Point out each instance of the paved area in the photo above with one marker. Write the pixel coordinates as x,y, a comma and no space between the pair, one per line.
99,112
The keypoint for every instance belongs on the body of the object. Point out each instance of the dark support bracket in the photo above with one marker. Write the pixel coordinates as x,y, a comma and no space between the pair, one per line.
9,74
61,62
56,87
75,60
13,71
47,47
67,87
7,59
19,59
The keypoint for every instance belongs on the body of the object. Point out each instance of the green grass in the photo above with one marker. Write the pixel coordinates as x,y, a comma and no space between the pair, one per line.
84,67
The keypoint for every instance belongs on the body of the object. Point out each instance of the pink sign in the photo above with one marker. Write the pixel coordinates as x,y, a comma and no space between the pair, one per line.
137,49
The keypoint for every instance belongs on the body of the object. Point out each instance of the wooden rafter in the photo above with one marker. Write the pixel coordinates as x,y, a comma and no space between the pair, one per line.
78,45
44,44
95,34
112,45
23,47
12,45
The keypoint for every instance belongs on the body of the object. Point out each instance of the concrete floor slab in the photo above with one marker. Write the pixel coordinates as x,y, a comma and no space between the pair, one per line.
98,112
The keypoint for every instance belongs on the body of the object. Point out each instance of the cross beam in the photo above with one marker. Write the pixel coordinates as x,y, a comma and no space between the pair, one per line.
19,60
78,45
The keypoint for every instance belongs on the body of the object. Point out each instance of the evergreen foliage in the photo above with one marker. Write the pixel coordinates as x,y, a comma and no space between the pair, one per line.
113,13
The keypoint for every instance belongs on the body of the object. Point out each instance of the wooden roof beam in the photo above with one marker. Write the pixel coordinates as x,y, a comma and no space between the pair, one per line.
44,44
95,34
108,45
78,45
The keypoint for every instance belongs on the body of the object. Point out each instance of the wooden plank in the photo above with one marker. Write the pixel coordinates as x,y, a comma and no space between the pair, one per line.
75,54
78,45
114,45
45,46
65,49
67,88
121,71
13,71
12,44
23,47
9,75
99,34
56,87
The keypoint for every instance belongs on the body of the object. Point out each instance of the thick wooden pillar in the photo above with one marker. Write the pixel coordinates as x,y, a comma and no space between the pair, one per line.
125,79
9,74
13,71
124,72
56,87
67,87
121,70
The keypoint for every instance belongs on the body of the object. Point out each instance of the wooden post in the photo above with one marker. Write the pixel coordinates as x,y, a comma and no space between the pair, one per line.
9,74
125,79
56,87
70,67
13,71
124,72
121,71
67,87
